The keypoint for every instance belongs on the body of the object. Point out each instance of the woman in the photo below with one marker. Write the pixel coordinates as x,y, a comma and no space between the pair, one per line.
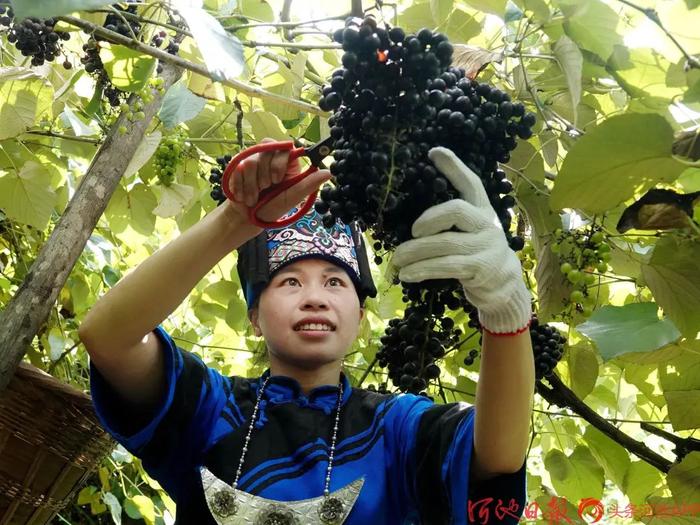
300,444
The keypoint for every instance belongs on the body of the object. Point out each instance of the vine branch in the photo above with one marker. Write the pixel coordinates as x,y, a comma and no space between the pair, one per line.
652,15
560,395
163,56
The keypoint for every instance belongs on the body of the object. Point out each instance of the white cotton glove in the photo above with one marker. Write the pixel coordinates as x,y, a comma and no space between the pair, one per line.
478,256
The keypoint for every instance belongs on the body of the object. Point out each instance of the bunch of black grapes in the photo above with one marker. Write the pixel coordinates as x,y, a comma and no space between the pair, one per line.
215,178
411,347
396,97
548,347
124,25
34,37
128,27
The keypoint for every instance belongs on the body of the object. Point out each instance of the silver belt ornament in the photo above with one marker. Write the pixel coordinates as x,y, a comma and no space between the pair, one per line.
231,506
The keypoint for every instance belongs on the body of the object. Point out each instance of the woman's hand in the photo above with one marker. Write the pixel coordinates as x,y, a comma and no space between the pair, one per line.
263,170
478,255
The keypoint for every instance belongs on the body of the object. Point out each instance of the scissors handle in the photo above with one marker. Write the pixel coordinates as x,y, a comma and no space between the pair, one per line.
270,193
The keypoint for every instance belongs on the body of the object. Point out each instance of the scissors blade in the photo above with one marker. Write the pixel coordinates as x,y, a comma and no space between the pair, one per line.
319,151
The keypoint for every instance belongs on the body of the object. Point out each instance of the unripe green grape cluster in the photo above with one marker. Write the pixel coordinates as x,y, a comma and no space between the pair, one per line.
527,257
581,253
168,156
134,111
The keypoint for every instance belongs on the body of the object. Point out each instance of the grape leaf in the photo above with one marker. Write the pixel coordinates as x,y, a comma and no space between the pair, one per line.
180,105
27,196
576,476
683,478
222,52
50,8
672,276
441,10
592,25
128,69
571,62
634,327
26,97
624,155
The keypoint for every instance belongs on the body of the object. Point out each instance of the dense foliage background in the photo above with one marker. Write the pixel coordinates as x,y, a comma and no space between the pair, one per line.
616,88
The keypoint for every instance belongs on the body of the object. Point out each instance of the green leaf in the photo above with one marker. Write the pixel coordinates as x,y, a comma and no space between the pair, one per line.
612,456
583,367
222,51
258,10
173,200
49,8
571,62
679,376
552,287
681,371
461,26
592,25
27,197
576,476
624,155
79,127
144,151
672,276
115,507
237,313
85,495
441,10
145,507
538,8
641,479
25,97
683,408
496,7
634,327
692,4
222,291
111,275
684,478
180,105
287,82
641,72
416,17
266,124
550,146
128,69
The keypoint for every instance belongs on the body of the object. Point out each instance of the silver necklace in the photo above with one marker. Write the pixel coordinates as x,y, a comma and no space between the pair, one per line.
230,505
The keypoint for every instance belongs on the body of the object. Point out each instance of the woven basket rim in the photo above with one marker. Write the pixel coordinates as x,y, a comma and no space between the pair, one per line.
27,371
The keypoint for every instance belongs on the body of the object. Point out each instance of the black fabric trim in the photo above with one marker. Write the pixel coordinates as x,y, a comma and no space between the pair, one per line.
359,445
435,434
308,465
229,419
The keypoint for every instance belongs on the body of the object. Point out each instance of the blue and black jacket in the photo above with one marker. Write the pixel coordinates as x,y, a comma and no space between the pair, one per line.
415,454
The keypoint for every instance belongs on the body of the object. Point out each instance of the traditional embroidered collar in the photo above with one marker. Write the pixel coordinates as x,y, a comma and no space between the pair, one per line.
283,389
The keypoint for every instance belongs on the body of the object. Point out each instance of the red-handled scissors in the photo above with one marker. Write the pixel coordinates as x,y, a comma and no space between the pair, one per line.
315,153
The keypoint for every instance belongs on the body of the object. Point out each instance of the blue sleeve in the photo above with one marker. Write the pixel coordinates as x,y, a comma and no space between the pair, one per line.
168,441
434,445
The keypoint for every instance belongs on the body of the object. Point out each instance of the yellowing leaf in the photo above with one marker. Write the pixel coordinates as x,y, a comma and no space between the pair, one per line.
127,68
25,97
27,196
672,275
571,62
624,155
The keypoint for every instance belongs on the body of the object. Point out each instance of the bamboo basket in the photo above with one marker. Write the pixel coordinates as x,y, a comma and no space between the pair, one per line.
50,442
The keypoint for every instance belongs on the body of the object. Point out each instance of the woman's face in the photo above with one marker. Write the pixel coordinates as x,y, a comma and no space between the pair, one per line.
309,288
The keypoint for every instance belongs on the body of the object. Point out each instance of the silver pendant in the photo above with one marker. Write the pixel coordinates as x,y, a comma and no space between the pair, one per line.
231,506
